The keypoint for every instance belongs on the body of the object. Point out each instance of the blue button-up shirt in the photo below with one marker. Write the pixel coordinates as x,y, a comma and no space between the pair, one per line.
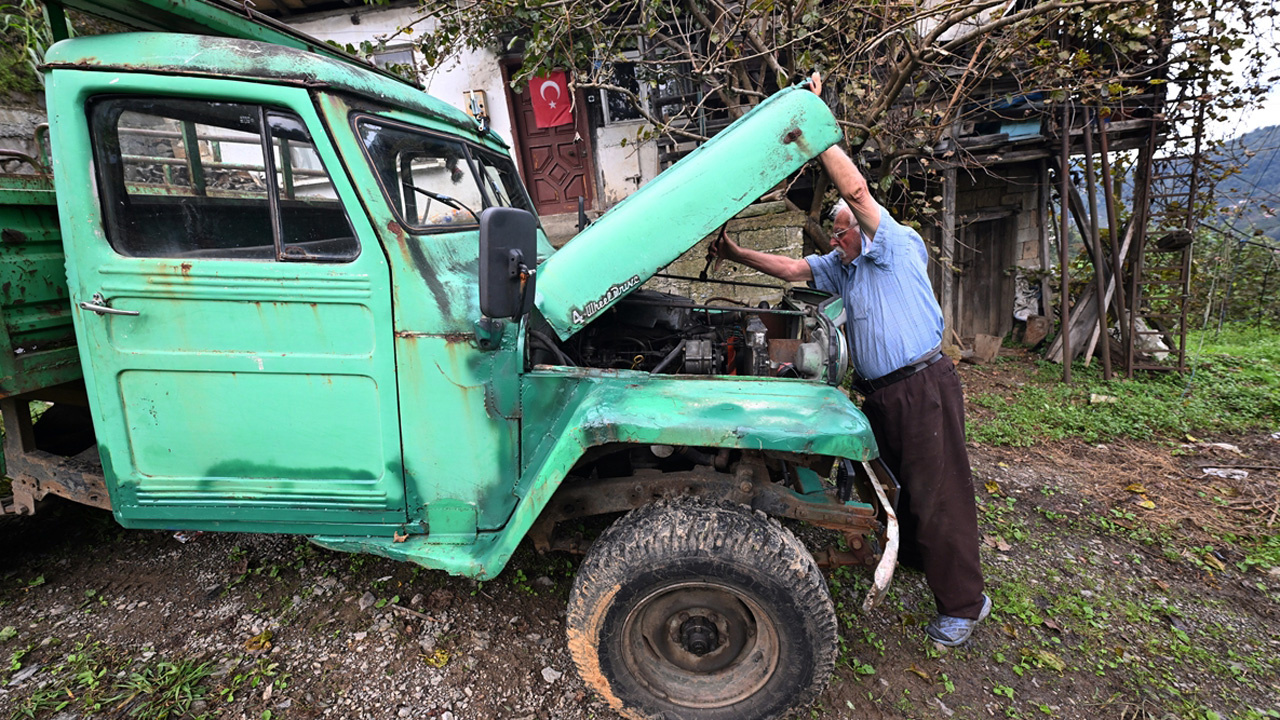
892,317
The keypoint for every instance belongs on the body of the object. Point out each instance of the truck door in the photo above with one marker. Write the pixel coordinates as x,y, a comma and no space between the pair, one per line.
232,307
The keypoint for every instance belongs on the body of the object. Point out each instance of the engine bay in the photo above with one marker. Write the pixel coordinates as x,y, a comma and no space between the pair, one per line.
663,333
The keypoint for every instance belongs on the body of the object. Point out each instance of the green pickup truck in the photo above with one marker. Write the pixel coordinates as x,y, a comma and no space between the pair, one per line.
269,289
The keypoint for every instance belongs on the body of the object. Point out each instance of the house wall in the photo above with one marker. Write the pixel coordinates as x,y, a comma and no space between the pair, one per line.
997,240
765,226
472,70
620,166
1012,189
19,117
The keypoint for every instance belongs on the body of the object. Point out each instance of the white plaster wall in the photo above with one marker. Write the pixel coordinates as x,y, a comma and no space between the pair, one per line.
616,165
925,26
622,168
473,70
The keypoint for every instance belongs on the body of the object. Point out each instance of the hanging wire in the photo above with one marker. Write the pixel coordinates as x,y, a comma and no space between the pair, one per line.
1208,312
1204,326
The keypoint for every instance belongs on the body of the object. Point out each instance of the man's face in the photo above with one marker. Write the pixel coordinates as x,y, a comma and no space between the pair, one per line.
845,236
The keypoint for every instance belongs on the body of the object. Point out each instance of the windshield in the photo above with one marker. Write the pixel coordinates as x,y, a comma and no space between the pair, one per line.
501,180
436,182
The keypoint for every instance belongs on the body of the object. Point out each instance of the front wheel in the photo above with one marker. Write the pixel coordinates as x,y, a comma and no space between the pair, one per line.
688,609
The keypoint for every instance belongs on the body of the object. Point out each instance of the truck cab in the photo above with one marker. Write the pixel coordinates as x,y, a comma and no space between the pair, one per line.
310,299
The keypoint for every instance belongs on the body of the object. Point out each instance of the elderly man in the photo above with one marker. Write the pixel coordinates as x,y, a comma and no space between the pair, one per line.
913,396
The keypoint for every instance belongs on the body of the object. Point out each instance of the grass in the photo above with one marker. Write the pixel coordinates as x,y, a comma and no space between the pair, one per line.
1090,611
97,678
102,680
1235,387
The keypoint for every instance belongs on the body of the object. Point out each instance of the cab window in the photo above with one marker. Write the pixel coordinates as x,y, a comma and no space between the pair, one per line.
501,181
435,182
193,178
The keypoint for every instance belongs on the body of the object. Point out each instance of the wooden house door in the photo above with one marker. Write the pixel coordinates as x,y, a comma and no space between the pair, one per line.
985,284
555,161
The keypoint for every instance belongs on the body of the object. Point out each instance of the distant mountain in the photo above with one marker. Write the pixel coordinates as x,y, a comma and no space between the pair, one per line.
1255,191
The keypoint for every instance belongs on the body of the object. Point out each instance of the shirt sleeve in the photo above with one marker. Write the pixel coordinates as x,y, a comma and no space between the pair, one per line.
826,271
881,248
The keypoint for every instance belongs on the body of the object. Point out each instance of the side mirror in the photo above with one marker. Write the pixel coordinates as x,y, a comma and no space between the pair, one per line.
508,252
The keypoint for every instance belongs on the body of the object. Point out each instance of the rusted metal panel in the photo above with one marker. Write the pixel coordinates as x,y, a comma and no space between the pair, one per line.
567,412
748,485
36,473
458,420
241,395
37,341
675,210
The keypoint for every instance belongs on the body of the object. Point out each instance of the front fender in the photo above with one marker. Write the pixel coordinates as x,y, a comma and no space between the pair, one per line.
567,412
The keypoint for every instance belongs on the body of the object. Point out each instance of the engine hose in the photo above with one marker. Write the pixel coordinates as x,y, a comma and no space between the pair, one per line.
550,346
697,457
670,358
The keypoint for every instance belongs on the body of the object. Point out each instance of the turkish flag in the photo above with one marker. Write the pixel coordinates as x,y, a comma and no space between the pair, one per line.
551,102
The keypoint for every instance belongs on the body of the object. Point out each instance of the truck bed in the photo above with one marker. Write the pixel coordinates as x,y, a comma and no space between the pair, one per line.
37,341
39,359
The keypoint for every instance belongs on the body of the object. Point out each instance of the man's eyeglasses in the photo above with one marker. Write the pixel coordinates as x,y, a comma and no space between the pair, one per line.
839,234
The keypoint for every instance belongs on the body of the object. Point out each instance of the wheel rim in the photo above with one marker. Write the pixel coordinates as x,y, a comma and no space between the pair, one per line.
700,644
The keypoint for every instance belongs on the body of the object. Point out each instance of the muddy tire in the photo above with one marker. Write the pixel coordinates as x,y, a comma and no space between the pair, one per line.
688,609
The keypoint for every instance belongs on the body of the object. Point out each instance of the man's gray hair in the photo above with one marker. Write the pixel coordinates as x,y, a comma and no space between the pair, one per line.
839,207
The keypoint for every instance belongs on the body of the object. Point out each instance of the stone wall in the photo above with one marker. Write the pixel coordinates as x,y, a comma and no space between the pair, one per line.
767,227
19,117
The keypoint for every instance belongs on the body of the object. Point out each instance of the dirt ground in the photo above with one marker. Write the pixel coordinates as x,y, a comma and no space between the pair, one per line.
1123,584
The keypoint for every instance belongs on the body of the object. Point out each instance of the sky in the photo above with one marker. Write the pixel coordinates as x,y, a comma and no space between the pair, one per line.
1267,112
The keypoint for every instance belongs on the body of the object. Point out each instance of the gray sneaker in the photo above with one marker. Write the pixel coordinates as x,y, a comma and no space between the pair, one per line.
953,631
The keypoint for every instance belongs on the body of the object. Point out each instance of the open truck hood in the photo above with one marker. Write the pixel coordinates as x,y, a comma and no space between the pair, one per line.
666,217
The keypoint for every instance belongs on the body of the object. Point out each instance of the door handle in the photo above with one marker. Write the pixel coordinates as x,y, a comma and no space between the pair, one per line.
99,305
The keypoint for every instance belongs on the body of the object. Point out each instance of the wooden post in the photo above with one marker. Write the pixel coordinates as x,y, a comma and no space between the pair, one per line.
1113,231
813,219
1063,241
1095,250
1045,261
948,253
1141,206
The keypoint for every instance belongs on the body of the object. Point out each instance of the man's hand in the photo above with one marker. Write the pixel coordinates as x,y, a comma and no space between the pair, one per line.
722,248
815,83
785,268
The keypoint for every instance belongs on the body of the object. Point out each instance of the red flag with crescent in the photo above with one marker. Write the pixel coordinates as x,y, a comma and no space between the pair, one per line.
551,102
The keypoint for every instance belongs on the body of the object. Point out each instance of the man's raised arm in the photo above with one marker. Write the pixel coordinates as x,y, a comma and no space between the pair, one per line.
848,180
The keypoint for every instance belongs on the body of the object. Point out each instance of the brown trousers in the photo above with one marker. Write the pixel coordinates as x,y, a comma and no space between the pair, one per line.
919,425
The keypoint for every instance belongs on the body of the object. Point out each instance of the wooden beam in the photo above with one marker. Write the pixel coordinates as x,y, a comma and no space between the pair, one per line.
1063,242
1042,199
1095,248
1113,231
948,251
